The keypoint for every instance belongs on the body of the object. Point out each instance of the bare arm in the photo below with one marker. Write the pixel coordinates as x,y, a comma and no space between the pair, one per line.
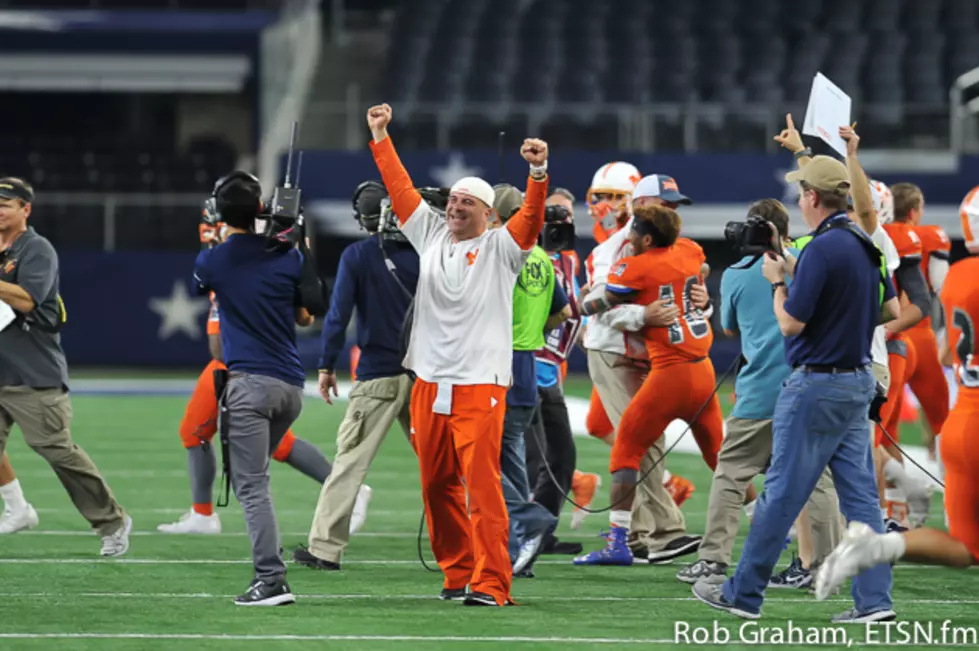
788,324
16,297
214,346
863,201
303,317
555,320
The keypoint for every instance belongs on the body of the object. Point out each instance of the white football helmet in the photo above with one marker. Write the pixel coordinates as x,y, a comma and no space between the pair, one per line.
883,201
969,211
610,194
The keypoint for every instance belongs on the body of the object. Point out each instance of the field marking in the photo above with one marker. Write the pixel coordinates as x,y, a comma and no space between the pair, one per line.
223,534
429,597
248,561
329,638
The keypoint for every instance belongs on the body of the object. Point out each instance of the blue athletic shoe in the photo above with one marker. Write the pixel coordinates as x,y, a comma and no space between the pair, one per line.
616,551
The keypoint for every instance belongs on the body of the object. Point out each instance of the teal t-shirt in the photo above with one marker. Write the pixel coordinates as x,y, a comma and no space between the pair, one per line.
746,307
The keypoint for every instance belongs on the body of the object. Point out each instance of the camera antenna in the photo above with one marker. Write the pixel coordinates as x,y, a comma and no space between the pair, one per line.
292,148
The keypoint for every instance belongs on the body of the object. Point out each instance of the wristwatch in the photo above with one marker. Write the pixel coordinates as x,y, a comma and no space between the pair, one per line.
328,371
775,286
803,153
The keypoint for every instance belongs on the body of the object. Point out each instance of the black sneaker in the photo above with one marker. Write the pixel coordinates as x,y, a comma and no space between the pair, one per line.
674,549
853,616
893,526
526,574
302,556
794,576
479,599
452,594
260,593
563,548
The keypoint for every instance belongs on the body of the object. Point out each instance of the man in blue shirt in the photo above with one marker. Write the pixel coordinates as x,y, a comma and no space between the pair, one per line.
257,291
820,416
377,276
746,309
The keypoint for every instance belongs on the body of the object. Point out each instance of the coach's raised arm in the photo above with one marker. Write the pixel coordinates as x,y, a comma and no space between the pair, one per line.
470,199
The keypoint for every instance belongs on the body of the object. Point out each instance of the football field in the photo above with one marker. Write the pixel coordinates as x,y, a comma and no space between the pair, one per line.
175,592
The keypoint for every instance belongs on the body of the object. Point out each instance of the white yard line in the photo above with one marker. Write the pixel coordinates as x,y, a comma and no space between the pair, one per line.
420,597
328,638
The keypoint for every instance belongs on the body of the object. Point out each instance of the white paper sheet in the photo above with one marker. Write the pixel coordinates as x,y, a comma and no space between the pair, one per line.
828,110
7,315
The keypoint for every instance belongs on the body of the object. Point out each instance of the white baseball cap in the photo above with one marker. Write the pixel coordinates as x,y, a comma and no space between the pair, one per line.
474,187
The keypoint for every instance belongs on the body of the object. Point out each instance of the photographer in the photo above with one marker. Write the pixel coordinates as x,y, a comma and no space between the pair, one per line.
377,276
820,416
34,373
746,310
550,437
257,281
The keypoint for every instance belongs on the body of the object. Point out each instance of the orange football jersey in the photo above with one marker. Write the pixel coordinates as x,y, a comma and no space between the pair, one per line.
960,300
668,274
933,240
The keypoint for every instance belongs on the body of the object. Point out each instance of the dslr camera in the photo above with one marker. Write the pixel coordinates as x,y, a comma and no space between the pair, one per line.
558,232
750,237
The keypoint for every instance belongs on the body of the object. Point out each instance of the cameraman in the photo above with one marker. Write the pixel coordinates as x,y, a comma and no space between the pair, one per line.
257,287
746,309
549,438
378,276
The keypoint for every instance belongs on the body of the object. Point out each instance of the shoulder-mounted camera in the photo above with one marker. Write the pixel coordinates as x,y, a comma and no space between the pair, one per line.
285,227
558,233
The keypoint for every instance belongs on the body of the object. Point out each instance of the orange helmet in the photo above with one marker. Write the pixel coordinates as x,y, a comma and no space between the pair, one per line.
609,197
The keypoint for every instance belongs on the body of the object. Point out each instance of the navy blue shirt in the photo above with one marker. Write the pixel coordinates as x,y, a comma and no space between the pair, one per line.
523,392
836,293
364,281
257,294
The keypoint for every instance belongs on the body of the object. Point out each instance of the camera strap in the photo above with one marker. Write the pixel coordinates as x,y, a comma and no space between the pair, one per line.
410,312
220,391
749,264
873,252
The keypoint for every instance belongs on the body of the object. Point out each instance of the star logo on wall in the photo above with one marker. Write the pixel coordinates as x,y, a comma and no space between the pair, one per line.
453,170
180,312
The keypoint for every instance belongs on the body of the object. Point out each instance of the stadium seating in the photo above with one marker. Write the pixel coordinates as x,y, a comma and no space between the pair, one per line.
567,58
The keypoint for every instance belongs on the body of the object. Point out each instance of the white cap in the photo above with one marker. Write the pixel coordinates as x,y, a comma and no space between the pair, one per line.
474,187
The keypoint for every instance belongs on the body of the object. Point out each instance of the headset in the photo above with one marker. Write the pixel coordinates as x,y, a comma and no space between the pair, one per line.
212,214
370,222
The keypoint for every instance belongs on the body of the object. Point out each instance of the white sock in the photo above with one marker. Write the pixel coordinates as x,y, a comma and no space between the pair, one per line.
892,546
621,519
667,476
895,472
749,509
884,513
13,496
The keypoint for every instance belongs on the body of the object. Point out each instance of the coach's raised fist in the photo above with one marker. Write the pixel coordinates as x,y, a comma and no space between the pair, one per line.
534,151
378,118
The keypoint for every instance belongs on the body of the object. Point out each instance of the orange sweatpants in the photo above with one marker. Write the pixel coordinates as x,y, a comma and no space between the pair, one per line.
961,458
597,422
471,548
890,414
927,380
200,421
668,393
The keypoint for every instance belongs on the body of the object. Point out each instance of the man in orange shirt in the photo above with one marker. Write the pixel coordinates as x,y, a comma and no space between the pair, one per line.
863,549
200,423
680,383
926,377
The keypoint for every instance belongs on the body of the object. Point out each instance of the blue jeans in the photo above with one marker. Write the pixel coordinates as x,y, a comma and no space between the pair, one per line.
820,419
527,519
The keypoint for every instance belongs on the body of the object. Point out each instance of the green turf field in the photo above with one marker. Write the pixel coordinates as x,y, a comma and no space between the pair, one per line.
176,592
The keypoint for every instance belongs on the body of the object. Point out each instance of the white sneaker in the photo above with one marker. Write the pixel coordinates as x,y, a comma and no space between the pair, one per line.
193,522
919,503
13,521
117,544
858,551
359,516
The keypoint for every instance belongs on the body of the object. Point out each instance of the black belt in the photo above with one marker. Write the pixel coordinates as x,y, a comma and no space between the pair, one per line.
822,368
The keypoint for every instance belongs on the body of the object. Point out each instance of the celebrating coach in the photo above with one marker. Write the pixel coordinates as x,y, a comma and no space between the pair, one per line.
821,413
461,351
